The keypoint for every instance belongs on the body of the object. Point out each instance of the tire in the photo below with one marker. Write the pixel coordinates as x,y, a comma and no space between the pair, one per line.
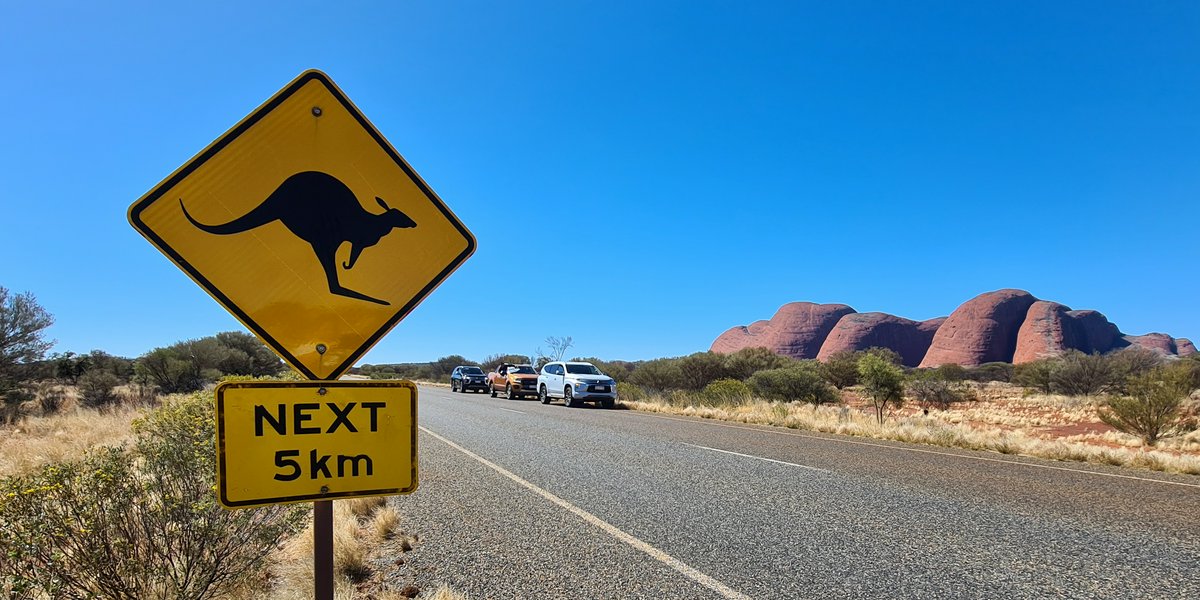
455,387
492,388
508,391
569,398
608,402
543,396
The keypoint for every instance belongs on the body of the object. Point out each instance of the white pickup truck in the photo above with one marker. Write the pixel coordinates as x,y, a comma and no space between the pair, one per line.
576,383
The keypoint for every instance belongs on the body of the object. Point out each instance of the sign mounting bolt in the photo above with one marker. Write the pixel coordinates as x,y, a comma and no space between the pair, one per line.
321,348
322,391
316,111
324,489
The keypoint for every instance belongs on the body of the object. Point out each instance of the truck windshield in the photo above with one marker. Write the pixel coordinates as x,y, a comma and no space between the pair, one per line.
583,370
522,369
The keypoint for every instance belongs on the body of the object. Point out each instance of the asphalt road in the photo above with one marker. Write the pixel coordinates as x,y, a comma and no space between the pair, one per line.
522,500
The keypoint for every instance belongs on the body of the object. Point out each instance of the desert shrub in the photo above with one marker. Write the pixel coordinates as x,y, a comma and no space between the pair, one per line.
801,382
993,371
748,361
135,522
882,383
630,392
931,391
725,392
617,369
951,372
841,369
1037,375
700,369
886,354
1080,374
1128,363
659,375
1153,407
97,388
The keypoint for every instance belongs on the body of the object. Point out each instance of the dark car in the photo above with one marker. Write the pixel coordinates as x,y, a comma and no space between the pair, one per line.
465,379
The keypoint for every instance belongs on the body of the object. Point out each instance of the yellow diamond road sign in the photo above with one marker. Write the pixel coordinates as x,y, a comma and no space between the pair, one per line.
308,226
280,441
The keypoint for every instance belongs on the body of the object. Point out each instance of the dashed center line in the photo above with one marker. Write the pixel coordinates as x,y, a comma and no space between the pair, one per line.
782,462
680,566
519,412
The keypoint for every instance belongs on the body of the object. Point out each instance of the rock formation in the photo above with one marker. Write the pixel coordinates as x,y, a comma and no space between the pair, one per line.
1047,331
981,330
1158,342
1002,326
859,331
796,330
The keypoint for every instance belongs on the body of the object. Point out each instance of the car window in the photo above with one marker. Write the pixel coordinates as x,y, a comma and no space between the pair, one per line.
473,371
523,369
584,369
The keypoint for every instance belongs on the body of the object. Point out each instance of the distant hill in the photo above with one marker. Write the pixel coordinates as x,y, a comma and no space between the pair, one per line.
1002,326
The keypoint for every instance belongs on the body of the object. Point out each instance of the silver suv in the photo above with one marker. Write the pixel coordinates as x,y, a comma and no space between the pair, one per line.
576,383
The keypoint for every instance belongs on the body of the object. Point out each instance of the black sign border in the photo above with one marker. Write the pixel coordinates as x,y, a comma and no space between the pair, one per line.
136,210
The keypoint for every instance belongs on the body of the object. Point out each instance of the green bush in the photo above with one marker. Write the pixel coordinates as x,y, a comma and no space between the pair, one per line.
659,375
726,392
1080,374
630,392
1037,375
136,522
1154,406
841,369
801,382
993,371
96,388
748,361
931,391
700,369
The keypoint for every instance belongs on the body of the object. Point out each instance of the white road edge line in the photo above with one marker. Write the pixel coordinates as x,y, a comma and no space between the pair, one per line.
921,450
655,553
519,412
758,457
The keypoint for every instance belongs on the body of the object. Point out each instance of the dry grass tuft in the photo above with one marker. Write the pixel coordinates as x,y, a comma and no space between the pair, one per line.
38,441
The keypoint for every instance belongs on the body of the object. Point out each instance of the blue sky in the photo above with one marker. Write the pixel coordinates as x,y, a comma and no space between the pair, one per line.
640,176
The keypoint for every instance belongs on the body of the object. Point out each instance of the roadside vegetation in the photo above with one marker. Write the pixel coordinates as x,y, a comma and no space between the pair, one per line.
107,481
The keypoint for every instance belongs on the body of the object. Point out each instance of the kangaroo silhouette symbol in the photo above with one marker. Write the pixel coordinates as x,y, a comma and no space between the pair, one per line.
321,210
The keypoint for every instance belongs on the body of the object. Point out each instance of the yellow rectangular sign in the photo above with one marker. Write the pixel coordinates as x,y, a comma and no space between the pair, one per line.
299,441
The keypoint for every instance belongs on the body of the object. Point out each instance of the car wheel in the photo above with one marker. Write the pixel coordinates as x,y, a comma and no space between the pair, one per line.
543,396
455,386
492,388
508,391
568,397
608,402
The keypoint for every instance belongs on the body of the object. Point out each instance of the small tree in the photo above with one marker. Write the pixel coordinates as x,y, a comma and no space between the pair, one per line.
930,390
22,325
1154,406
882,382
841,369
557,347
658,375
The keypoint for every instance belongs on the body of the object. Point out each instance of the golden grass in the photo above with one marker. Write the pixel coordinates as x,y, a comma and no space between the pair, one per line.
38,441
1000,430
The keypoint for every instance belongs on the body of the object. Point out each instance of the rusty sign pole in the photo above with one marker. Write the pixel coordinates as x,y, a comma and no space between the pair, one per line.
323,549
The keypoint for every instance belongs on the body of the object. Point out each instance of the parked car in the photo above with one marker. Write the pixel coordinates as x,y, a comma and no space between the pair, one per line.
466,378
576,383
517,381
